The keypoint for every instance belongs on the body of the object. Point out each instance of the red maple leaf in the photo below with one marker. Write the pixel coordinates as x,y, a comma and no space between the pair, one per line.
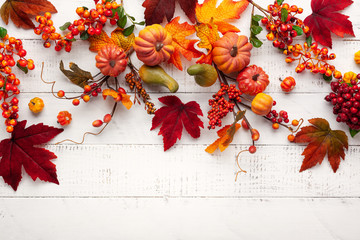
322,140
156,10
19,151
173,116
326,19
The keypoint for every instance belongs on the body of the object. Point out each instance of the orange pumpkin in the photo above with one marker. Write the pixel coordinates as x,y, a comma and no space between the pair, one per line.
111,60
153,45
231,53
288,84
261,104
252,80
64,118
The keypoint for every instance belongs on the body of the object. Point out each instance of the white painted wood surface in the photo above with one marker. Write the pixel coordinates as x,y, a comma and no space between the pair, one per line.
121,185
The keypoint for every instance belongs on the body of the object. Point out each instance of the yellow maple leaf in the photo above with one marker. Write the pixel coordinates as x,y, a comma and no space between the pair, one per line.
125,99
117,38
224,139
120,40
208,34
228,9
182,46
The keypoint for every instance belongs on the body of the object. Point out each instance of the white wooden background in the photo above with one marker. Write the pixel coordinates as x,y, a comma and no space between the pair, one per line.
121,185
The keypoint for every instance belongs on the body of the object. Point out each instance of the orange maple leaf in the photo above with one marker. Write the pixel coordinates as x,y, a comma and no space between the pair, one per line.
125,99
228,9
225,138
322,140
20,11
117,38
208,34
182,46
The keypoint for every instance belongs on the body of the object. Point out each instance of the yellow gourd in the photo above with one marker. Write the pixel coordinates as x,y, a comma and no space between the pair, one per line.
349,76
357,57
36,105
261,104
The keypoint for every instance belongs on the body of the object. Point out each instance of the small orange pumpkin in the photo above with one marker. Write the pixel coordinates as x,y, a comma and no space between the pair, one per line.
288,84
153,45
231,53
252,80
111,60
261,104
64,118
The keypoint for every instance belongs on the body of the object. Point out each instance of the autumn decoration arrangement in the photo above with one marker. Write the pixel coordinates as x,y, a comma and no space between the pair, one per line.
222,58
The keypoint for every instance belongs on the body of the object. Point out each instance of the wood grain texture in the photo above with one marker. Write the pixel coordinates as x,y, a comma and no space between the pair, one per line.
188,171
170,219
121,185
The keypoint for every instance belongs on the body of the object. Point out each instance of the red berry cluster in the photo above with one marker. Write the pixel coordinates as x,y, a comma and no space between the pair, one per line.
346,101
278,117
220,106
9,48
91,22
282,32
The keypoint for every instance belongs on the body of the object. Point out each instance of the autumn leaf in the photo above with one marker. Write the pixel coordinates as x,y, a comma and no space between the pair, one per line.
326,19
182,46
322,140
208,34
228,9
118,97
20,11
174,116
156,10
76,75
224,139
117,38
19,151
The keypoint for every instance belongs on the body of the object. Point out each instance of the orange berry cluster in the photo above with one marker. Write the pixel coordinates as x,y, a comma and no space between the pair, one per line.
47,30
133,83
92,90
282,31
220,106
91,22
312,58
9,48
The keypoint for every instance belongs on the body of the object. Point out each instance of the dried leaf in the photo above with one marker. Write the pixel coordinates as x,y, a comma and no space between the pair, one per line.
325,19
228,9
19,151
322,140
174,116
226,136
182,46
20,11
125,99
77,75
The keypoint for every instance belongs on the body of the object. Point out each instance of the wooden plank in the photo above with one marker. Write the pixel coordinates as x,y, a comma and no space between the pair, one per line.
133,126
188,171
168,218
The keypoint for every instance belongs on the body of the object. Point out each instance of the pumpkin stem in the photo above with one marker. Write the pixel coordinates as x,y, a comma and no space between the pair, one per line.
159,46
233,51
112,63
255,77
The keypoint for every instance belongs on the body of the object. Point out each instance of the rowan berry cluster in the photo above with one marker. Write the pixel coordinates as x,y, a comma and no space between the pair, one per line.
283,25
11,47
91,23
220,106
134,82
278,117
345,97
92,90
